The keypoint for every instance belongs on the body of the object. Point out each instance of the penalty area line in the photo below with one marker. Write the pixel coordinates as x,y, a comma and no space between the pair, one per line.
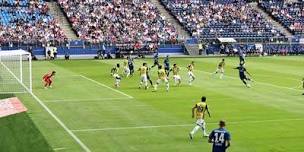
88,100
180,125
101,84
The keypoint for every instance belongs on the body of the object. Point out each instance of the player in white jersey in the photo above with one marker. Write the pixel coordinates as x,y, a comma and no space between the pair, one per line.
190,72
126,68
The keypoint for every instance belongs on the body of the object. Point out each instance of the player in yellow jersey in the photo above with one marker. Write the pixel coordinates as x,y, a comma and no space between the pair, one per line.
117,78
199,110
126,68
162,77
220,69
177,79
190,72
143,76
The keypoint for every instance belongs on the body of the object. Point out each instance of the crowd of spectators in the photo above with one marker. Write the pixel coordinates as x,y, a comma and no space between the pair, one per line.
28,22
225,18
118,21
290,14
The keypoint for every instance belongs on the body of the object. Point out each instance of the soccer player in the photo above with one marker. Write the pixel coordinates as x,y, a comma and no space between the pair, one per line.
126,68
303,84
143,76
200,109
177,79
116,77
155,58
115,69
190,72
242,74
220,138
47,79
131,65
220,69
167,65
162,77
148,75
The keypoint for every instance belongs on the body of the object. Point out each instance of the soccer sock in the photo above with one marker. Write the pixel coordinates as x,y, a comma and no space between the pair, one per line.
155,86
194,130
204,129
151,82
167,86
244,82
221,76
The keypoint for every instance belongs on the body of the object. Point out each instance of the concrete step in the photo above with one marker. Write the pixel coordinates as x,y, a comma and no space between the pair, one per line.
164,12
57,13
272,21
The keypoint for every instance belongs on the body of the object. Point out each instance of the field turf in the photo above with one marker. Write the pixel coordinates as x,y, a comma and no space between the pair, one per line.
265,118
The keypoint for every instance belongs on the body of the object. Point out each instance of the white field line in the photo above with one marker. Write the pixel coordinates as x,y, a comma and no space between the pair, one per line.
263,83
101,84
181,125
79,100
13,92
59,149
83,146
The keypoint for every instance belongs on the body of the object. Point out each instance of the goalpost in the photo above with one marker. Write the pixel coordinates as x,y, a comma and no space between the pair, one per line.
15,72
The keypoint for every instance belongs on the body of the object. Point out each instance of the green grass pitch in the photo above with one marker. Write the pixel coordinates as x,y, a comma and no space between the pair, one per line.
265,118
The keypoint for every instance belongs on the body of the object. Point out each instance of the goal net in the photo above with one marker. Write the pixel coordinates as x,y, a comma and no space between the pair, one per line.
15,72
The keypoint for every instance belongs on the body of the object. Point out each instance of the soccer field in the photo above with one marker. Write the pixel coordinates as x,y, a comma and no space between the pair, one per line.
94,116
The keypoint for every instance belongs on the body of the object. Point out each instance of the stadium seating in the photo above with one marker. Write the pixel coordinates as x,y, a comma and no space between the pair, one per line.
289,14
220,18
118,21
27,22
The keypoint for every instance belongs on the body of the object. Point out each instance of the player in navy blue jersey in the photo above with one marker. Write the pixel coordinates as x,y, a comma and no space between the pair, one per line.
155,58
243,75
220,138
167,65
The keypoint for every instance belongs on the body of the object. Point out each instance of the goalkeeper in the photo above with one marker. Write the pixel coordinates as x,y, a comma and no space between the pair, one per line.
47,79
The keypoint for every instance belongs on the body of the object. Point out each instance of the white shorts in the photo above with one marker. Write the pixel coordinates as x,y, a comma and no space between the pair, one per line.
220,70
200,122
143,78
176,77
190,74
161,80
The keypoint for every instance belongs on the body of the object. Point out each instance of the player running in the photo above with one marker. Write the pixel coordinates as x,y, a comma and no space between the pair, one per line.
177,79
220,69
242,74
117,78
200,108
126,68
47,79
162,77
143,76
220,138
148,75
167,65
190,72
155,58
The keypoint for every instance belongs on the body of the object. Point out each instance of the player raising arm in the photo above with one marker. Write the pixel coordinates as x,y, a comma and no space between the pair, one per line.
220,138
47,79
200,109
242,74
220,69
190,72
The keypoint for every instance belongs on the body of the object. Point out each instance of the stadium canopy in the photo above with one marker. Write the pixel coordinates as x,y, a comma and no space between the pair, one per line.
226,40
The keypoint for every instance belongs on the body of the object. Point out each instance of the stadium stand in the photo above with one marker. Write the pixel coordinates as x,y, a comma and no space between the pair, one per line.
118,21
289,14
220,18
27,22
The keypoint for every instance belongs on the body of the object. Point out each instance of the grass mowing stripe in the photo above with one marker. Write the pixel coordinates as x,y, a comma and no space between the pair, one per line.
79,100
181,125
101,84
263,83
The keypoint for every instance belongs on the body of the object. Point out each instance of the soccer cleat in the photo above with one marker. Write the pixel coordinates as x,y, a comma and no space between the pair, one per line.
190,136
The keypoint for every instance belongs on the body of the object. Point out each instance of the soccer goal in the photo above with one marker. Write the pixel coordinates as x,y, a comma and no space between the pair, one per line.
15,72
